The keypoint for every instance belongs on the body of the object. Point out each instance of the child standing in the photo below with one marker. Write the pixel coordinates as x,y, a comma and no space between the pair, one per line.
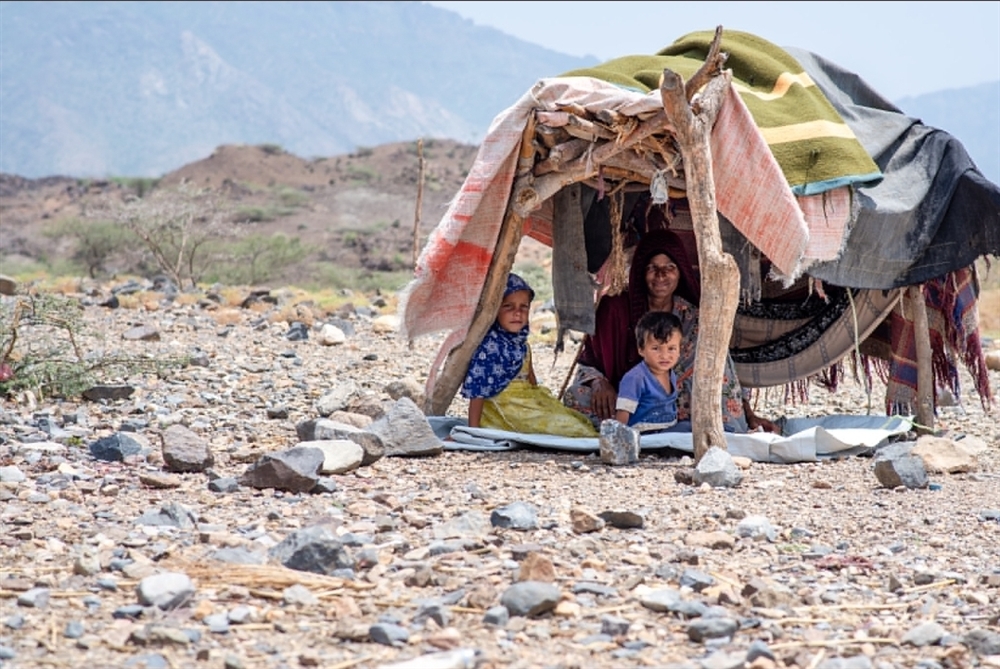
500,384
647,396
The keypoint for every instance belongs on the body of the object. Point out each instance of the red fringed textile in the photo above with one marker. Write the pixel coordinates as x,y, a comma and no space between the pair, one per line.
953,319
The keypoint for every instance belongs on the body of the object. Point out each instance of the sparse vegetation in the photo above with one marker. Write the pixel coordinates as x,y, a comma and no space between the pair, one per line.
255,259
271,149
177,228
141,186
361,173
292,197
42,350
96,243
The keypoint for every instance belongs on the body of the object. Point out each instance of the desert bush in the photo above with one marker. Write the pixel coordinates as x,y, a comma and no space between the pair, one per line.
292,197
255,214
362,173
271,149
326,276
95,242
177,227
538,278
255,259
43,342
141,186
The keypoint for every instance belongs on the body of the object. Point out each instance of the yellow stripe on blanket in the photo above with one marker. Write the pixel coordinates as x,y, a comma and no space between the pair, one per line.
803,131
785,81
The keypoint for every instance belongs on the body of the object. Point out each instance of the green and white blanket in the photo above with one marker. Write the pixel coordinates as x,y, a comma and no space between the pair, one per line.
815,148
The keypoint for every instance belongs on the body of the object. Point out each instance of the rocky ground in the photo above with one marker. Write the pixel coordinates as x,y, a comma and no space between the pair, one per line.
515,560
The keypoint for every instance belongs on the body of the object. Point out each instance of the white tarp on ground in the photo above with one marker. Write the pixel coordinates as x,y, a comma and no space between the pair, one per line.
805,439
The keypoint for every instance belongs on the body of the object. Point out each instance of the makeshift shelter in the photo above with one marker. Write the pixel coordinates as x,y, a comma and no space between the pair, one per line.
850,223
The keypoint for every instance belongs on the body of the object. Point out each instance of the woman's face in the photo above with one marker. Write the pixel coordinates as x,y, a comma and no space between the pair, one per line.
662,276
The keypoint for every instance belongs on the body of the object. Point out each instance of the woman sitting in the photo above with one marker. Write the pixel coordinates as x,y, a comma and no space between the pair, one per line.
660,279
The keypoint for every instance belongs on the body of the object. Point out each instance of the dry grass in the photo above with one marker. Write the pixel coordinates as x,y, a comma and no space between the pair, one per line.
227,316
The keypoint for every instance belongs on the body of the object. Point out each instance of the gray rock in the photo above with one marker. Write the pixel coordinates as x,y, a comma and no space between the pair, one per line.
165,591
404,431
324,429
294,470
170,515
756,527
35,598
895,467
389,634
115,448
11,474
614,626
314,549
925,634
696,579
717,469
298,595
339,455
658,599
141,333
185,451
619,443
623,520
239,555
336,399
983,642
436,611
108,393
74,629
530,598
724,660
224,484
515,516
496,615
702,629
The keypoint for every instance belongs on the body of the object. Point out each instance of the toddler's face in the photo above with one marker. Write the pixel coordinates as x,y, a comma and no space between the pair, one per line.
661,356
513,313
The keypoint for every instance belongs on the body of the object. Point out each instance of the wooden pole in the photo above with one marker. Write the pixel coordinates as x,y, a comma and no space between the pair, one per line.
720,276
505,250
925,373
420,201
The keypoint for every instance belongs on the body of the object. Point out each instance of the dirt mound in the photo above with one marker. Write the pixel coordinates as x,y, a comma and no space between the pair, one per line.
263,165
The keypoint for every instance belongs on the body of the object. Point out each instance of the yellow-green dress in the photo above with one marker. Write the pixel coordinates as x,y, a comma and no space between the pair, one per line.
529,408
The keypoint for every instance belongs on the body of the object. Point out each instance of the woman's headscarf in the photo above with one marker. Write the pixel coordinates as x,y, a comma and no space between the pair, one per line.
500,355
653,243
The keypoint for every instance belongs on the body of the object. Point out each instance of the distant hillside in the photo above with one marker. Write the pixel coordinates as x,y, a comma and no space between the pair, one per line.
971,114
102,89
95,89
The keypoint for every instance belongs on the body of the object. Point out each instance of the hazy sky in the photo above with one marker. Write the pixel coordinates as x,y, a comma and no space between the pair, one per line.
900,48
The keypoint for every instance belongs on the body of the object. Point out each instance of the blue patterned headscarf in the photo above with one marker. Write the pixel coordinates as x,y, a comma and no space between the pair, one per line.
500,355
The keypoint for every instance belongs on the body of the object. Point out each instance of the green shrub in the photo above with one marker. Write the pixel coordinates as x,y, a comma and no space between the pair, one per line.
271,149
255,214
255,259
138,185
362,173
538,278
293,197
96,242
43,349
326,275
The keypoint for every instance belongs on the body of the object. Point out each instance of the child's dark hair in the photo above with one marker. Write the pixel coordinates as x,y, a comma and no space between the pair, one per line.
660,325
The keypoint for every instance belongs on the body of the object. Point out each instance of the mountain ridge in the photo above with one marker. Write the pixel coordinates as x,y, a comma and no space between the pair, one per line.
136,89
